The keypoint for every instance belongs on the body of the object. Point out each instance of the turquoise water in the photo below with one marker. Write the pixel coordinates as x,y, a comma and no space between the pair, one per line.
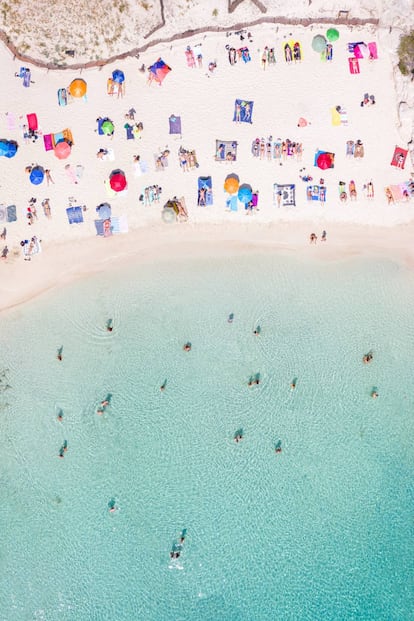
322,530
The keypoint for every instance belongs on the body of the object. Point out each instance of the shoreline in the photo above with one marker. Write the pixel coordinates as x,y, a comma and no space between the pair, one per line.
64,262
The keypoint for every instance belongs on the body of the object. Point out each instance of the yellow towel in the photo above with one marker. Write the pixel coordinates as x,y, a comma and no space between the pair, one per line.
336,117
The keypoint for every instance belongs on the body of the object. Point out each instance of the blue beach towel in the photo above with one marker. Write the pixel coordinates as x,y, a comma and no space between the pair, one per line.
75,215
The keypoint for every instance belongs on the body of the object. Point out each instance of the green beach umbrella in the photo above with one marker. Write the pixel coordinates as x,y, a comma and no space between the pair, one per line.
332,35
108,127
318,43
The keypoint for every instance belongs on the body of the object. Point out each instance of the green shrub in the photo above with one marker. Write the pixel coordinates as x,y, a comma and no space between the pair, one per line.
406,54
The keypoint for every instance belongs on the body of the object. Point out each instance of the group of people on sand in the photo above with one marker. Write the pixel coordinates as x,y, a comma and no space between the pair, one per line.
187,159
152,194
279,150
355,149
343,194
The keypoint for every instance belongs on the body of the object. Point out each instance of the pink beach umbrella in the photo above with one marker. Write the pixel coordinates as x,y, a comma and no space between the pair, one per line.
62,150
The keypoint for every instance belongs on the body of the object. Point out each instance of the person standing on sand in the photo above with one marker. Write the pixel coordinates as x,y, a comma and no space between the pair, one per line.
48,177
313,238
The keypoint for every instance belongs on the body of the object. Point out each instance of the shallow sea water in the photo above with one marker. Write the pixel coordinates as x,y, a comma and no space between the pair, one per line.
322,530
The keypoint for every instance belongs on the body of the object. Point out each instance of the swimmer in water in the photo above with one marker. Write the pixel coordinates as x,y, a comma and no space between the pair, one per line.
230,318
59,355
238,437
257,331
60,416
367,358
293,385
61,453
104,403
109,326
65,446
163,386
278,447
374,394
187,347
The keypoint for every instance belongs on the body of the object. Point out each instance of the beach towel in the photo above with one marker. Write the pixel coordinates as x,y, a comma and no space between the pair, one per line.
336,117
100,121
99,226
75,215
10,121
397,193
26,78
119,224
226,150
205,192
353,65
109,155
245,54
286,194
62,97
11,213
48,142
71,173
58,137
175,124
399,157
3,213
231,203
129,131
372,48
67,135
243,111
32,122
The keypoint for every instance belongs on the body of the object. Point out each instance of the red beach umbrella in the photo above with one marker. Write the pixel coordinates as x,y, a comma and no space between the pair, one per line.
118,181
324,161
62,150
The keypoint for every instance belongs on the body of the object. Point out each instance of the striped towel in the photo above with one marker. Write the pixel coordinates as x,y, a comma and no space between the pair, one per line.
119,224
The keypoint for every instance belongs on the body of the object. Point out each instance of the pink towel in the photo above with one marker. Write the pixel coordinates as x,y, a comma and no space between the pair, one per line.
372,50
353,65
11,121
47,139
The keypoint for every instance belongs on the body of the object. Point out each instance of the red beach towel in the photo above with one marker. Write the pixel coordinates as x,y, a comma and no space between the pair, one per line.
353,65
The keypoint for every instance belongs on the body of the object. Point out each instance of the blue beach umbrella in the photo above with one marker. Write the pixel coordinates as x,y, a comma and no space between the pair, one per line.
245,193
8,148
37,175
118,76
104,211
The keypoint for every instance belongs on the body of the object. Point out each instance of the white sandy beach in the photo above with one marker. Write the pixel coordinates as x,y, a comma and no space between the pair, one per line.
205,102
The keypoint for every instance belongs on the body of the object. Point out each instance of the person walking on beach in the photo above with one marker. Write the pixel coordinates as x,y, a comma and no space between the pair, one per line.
48,177
313,238
323,238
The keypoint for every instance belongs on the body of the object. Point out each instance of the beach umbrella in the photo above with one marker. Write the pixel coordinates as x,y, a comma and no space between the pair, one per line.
324,161
107,127
77,88
117,180
118,76
8,148
104,211
332,35
231,184
318,43
245,193
37,175
62,150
